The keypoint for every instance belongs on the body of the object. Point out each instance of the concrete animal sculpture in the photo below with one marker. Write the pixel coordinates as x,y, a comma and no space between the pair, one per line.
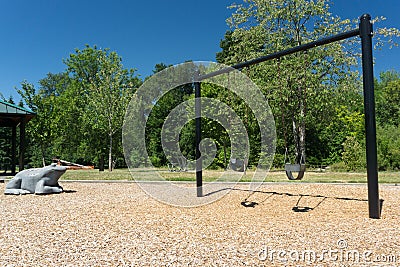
36,181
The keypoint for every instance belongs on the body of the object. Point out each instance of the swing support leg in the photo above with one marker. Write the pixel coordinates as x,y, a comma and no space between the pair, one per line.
370,123
199,163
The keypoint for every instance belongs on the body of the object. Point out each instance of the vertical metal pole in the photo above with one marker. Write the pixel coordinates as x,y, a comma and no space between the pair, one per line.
366,33
199,162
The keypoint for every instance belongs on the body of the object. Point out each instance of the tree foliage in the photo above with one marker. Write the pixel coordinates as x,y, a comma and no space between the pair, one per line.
315,96
106,88
303,88
80,111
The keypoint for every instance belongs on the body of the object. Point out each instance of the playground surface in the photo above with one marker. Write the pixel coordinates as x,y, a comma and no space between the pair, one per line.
117,224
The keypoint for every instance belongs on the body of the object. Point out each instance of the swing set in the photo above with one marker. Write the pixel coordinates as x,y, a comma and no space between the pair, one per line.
365,31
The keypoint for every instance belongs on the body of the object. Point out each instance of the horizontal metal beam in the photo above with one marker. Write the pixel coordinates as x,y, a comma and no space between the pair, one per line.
304,47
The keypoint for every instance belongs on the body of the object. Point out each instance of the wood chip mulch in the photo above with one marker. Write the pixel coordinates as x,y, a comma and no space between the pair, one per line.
117,224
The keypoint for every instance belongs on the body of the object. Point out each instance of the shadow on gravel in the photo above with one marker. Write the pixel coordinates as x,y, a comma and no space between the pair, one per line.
298,207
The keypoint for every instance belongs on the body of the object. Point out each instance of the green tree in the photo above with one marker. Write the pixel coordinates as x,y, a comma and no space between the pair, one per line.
45,130
388,98
80,111
39,131
106,89
296,83
159,112
387,90
388,139
353,154
304,88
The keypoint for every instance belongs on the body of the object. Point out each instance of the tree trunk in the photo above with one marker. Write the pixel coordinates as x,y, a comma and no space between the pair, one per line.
302,136
225,159
110,154
296,139
302,123
101,163
43,158
299,134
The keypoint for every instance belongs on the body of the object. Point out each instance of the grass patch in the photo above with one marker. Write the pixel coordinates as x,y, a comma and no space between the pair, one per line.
212,175
117,174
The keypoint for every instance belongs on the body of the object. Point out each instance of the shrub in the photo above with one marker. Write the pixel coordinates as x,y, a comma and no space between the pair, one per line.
338,167
388,139
353,154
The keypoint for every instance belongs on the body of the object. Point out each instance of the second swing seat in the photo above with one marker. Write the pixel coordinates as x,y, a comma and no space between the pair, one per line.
299,168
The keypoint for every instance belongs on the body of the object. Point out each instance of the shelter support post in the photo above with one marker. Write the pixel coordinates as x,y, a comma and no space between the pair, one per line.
13,149
22,144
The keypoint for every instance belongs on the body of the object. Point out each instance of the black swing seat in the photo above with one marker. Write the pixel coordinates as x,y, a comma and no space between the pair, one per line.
177,164
238,165
299,168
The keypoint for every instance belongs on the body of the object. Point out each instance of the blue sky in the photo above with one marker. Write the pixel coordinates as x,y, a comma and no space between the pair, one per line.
37,35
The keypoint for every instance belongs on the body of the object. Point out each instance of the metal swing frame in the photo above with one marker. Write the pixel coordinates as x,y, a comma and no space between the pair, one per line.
365,31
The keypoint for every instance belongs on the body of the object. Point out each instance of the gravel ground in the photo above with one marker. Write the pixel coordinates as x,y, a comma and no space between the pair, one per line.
117,224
